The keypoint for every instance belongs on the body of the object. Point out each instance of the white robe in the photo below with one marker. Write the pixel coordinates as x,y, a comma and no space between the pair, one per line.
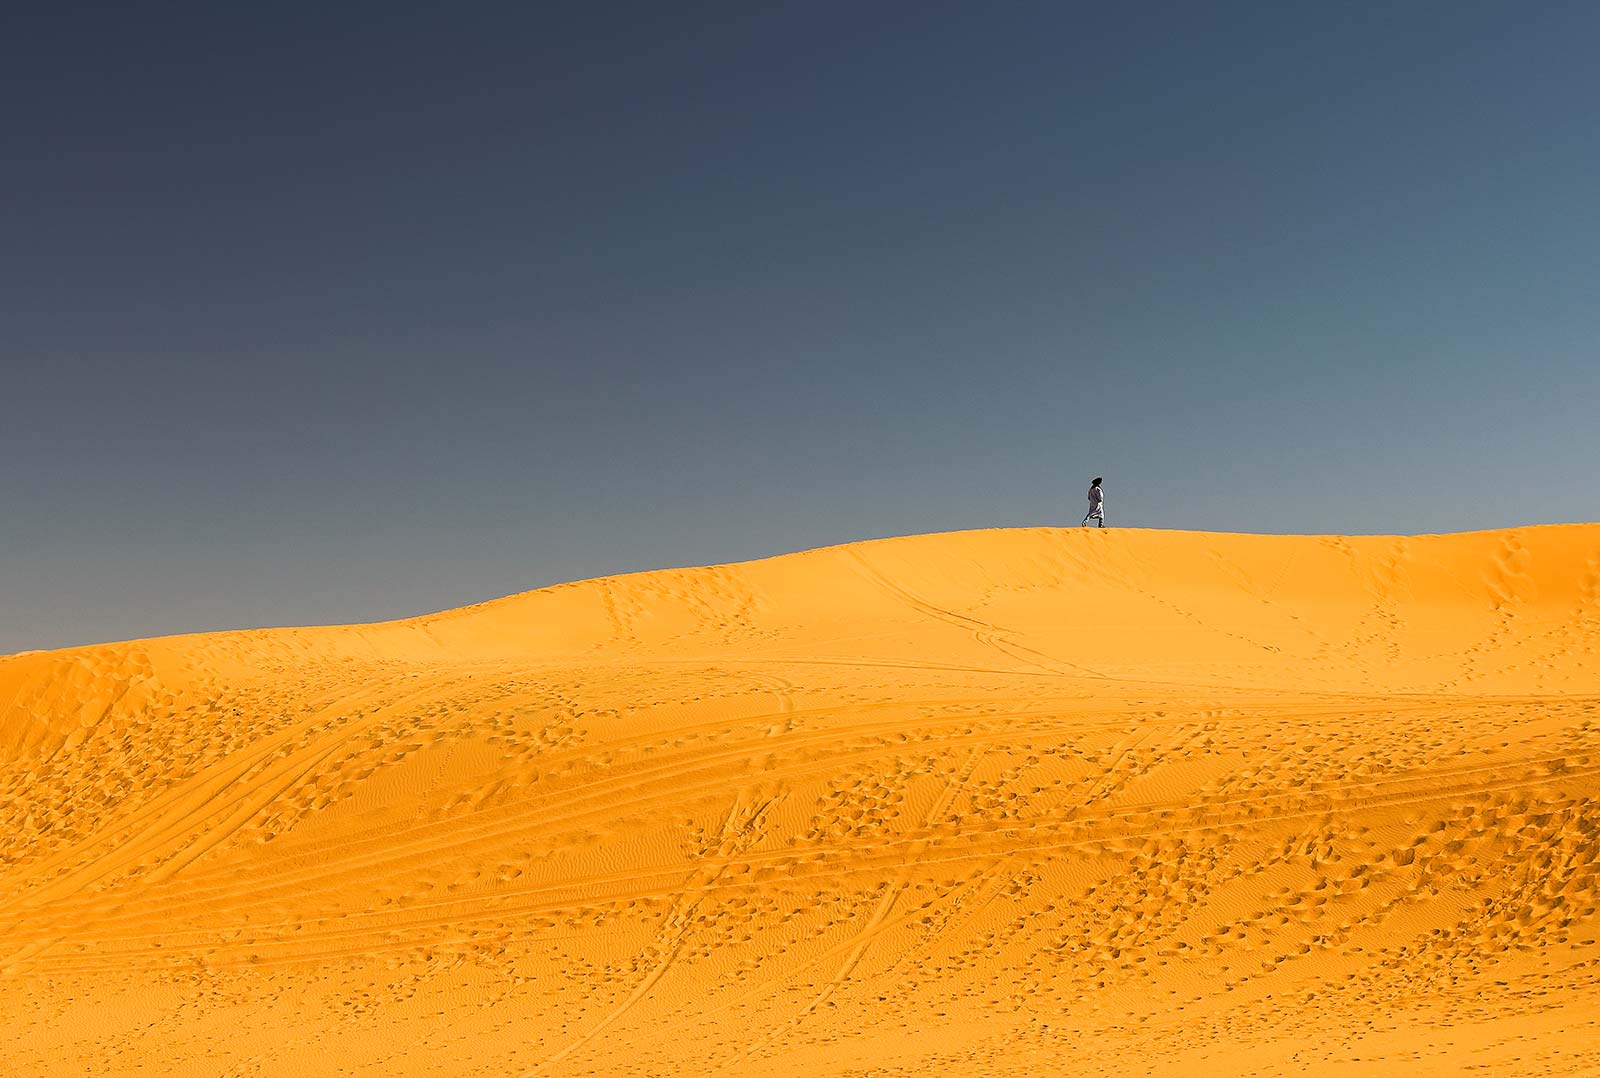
1097,504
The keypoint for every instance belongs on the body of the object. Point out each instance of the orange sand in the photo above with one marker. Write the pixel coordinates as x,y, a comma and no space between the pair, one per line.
1025,802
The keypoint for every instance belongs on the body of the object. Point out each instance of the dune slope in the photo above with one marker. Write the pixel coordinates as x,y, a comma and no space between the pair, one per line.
990,803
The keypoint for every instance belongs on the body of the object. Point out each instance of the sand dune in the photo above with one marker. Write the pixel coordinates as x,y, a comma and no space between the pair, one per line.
1012,802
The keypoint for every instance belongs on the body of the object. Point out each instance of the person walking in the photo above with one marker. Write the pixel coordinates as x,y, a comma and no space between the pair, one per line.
1097,505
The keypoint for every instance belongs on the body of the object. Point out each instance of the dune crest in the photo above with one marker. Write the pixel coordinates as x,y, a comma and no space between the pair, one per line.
999,802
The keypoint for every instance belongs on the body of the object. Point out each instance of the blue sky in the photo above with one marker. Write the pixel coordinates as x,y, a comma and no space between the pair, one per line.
327,313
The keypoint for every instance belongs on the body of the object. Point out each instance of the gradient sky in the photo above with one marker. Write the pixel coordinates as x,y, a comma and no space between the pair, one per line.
342,312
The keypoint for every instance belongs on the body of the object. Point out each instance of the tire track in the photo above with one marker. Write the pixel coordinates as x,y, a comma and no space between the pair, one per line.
740,831
870,932
990,635
1024,837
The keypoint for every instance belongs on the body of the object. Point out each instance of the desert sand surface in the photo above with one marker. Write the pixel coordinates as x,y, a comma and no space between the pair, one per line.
1008,802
